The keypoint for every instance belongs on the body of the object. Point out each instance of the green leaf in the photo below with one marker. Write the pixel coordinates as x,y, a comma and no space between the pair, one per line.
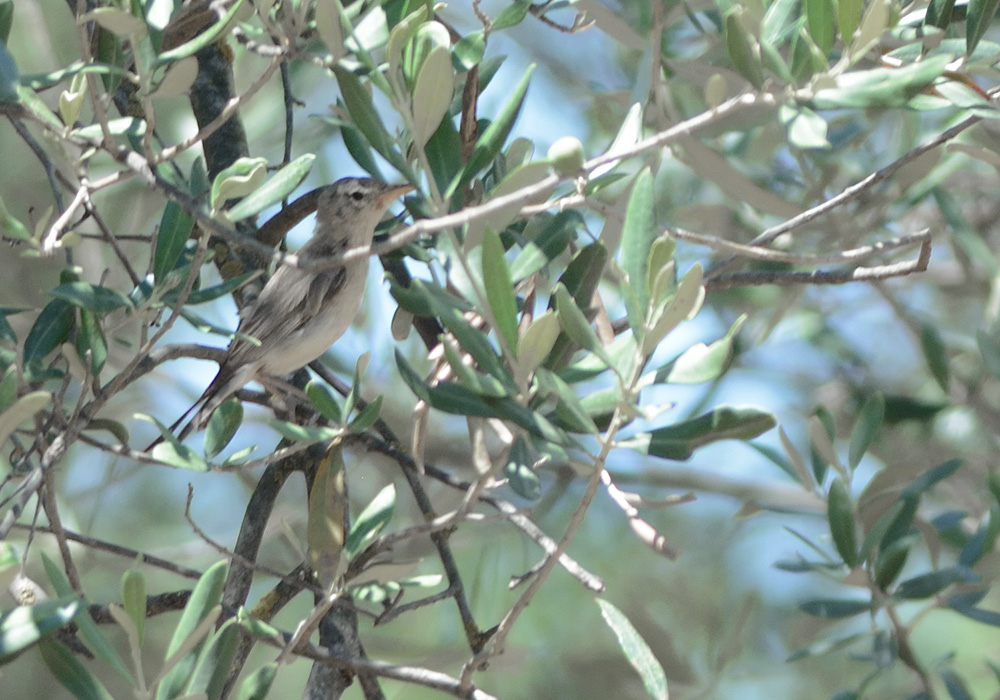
876,534
848,17
88,629
840,515
90,339
238,180
544,245
201,296
495,135
936,354
171,237
457,400
537,341
806,129
740,46
987,617
930,584
511,15
444,154
50,330
11,227
638,234
679,441
520,472
890,562
428,38
820,23
704,363
939,14
328,26
636,650
123,126
204,598
100,300
359,105
25,625
833,608
468,51
901,524
305,433
367,416
427,299
71,673
6,20
521,176
825,646
661,273
274,190
667,315
570,411
323,401
8,389
117,21
866,428
222,426
9,77
482,384
499,288
401,36
930,477
954,684
257,685
580,278
371,521
133,592
327,517
214,662
432,94
360,150
574,322
978,17
881,87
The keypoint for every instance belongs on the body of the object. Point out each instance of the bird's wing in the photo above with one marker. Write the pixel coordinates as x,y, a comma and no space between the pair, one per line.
280,314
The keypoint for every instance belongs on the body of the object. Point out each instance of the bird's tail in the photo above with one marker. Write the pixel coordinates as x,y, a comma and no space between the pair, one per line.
202,410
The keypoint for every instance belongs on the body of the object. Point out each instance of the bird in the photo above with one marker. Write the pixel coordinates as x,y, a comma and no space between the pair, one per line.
301,312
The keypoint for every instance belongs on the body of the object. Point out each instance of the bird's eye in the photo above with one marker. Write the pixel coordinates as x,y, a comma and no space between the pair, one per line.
357,196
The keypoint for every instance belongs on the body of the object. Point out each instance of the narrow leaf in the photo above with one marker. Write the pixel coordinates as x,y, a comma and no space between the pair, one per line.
371,521
638,234
866,428
833,608
171,237
495,135
840,515
499,288
25,625
222,426
274,190
636,650
50,330
978,17
71,673
679,441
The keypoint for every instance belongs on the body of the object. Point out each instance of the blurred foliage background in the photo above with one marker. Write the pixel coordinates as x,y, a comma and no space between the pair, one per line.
874,381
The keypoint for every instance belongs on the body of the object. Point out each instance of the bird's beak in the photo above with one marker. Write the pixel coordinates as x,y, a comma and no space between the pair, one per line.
394,193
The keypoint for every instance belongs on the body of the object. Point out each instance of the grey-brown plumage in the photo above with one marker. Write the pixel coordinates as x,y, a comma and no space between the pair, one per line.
300,313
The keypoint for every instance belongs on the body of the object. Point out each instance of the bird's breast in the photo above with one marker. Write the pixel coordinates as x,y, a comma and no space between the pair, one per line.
314,338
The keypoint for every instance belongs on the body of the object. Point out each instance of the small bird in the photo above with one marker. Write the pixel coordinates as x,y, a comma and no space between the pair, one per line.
300,313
